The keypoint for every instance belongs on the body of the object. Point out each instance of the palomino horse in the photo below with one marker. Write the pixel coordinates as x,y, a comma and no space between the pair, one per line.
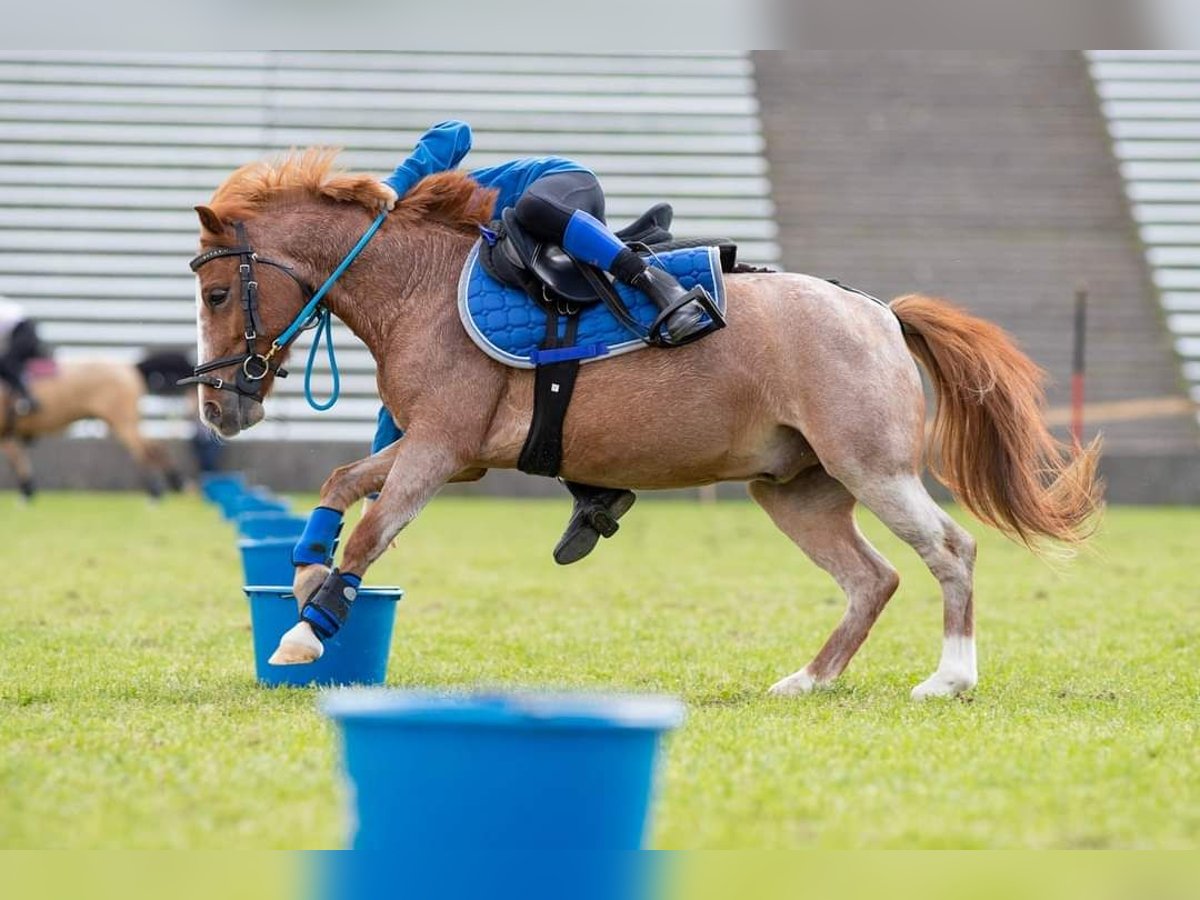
811,394
86,389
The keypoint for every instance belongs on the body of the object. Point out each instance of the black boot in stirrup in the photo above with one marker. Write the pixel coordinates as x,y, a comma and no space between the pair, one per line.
661,287
595,516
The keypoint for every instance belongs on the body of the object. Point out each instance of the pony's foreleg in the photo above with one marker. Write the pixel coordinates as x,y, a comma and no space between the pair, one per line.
417,470
18,458
345,486
817,513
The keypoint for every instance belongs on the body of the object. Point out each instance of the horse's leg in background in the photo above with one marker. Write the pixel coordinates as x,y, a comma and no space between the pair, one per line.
124,427
903,504
18,458
817,513
407,475
160,459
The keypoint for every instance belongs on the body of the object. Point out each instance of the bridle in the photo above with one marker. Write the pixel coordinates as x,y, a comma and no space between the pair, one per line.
253,366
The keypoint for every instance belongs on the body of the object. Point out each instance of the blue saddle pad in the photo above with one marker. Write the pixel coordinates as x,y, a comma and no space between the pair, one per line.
508,326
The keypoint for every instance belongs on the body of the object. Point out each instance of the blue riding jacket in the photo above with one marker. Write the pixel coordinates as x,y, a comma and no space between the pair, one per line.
441,149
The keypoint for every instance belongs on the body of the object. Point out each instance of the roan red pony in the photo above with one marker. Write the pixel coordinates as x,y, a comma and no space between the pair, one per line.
811,394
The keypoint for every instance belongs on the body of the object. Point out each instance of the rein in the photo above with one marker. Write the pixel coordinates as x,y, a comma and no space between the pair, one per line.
254,366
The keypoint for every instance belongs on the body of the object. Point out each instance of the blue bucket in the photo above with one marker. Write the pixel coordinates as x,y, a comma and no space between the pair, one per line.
216,485
358,654
548,771
267,560
254,500
270,524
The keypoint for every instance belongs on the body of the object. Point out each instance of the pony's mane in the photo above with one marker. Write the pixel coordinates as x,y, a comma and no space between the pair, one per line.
451,198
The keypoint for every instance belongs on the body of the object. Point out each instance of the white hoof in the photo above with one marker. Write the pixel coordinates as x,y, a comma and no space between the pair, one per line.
793,685
944,684
297,647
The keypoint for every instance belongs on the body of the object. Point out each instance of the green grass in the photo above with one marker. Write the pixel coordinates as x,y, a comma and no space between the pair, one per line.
129,717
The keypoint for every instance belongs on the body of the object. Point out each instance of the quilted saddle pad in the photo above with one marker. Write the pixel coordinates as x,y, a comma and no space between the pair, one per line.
508,326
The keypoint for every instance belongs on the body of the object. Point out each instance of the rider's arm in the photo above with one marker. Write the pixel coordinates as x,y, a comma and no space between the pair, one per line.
440,149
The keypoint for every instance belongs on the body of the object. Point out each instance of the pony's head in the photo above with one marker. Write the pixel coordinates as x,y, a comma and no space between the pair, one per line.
273,232
250,285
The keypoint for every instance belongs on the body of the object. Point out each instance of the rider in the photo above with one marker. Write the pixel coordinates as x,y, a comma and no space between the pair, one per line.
19,343
559,201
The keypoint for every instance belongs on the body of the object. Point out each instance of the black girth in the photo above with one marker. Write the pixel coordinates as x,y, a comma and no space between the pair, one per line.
252,365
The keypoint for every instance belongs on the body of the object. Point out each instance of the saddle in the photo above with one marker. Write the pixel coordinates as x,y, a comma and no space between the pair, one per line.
547,273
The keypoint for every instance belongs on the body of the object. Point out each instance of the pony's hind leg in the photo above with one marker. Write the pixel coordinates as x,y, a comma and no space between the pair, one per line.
125,429
949,551
18,457
817,512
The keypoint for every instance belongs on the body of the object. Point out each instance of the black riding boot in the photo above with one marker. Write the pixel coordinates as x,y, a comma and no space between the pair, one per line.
594,516
665,291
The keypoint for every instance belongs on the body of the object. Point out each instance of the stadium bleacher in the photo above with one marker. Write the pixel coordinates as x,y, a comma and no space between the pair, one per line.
103,156
1152,103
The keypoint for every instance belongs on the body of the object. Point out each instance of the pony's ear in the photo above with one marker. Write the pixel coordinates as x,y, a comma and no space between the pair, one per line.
209,220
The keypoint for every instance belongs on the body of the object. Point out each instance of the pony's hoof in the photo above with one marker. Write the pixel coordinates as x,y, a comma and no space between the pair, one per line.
943,684
793,685
297,647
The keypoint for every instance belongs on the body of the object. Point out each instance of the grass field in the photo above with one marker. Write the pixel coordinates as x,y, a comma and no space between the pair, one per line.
129,717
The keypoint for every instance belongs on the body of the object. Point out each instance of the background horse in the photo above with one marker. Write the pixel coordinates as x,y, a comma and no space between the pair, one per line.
811,394
86,389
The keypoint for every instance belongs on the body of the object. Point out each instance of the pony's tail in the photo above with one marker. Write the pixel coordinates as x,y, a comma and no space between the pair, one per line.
990,445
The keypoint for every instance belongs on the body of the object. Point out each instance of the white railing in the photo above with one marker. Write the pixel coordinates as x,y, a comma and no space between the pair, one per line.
103,155
1151,100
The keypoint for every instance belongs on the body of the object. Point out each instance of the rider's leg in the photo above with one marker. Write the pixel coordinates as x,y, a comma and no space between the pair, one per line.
594,516
11,371
545,209
23,345
568,209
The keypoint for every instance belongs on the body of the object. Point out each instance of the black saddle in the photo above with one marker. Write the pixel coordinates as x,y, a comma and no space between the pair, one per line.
547,273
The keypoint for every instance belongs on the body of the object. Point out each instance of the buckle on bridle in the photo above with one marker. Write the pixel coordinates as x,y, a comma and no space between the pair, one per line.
261,361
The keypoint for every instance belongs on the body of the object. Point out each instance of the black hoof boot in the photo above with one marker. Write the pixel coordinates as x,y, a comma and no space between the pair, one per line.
690,319
595,516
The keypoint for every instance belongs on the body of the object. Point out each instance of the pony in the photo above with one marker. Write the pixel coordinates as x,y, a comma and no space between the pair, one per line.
811,394
108,390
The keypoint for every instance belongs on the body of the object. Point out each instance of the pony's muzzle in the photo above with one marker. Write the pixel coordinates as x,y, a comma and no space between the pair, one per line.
229,417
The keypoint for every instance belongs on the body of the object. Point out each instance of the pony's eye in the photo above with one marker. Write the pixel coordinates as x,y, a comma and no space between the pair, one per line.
217,296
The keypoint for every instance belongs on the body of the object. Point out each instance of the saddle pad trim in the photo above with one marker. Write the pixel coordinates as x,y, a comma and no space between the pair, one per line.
519,362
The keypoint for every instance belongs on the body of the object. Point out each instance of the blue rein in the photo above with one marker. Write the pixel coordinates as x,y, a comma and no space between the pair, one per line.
315,312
